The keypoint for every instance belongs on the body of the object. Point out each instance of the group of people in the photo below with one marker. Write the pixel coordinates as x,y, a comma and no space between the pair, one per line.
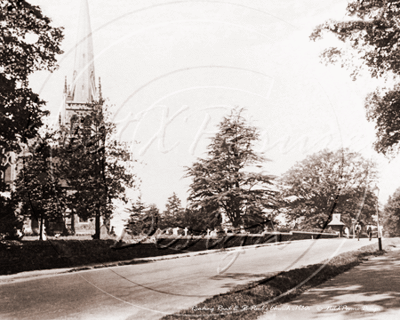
357,230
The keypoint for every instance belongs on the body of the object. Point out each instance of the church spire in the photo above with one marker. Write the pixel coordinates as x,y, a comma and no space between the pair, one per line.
65,87
84,83
100,97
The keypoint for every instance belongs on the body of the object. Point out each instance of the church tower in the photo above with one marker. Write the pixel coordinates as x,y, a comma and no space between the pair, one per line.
83,89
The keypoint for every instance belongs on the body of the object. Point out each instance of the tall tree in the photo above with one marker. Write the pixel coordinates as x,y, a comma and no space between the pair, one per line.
28,43
172,215
39,189
311,186
137,214
373,38
143,219
228,179
391,214
96,167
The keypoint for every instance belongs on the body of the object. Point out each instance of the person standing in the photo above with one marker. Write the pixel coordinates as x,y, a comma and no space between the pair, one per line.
347,232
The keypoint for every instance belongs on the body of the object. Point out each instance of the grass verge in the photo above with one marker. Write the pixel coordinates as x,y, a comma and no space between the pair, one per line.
252,300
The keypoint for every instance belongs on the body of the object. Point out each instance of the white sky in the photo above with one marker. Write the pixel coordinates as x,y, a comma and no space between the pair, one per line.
185,63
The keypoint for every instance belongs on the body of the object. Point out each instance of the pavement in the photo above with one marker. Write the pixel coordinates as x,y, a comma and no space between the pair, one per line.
371,290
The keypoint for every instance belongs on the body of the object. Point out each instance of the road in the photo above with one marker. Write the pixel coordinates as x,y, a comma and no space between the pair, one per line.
151,290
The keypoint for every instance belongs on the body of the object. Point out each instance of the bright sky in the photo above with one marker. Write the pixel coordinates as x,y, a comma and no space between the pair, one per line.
172,69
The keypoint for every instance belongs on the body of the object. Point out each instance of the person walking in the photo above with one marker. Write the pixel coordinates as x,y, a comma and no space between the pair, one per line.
358,231
369,232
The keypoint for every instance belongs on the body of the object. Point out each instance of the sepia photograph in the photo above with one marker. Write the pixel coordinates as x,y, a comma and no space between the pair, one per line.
199,159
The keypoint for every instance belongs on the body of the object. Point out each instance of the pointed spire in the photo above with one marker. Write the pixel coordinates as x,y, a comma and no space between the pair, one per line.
65,87
84,86
100,93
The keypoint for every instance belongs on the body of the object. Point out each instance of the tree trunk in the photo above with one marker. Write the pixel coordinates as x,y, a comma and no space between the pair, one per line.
41,228
73,222
97,224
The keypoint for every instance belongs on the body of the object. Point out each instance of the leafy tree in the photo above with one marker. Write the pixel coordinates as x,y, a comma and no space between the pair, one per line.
174,205
143,219
382,108
28,43
137,218
95,166
173,213
372,37
227,179
311,186
10,221
82,170
20,55
38,188
198,221
391,214
152,220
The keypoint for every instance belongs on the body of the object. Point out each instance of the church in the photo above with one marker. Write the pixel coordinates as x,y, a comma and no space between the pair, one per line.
77,96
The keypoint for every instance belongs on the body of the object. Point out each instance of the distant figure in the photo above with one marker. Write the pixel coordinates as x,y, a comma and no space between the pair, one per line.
358,231
347,232
369,232
380,232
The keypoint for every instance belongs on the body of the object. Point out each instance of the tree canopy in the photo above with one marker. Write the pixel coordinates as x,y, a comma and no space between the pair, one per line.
28,43
82,169
311,186
95,166
143,219
372,36
39,189
172,215
230,179
391,214
9,221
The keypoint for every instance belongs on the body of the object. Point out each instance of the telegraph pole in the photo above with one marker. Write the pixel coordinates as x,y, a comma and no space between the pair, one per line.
377,218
